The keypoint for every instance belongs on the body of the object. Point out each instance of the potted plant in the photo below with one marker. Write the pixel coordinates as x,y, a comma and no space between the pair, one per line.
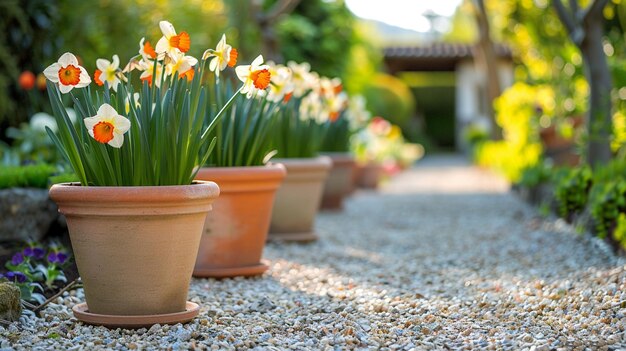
136,217
381,150
336,145
235,231
297,140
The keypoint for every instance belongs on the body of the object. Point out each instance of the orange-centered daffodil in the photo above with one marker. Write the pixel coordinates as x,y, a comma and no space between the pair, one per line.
223,55
255,77
107,72
107,126
171,43
67,73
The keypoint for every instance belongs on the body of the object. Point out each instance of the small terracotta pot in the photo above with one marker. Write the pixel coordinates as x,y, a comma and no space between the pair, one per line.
339,183
369,175
235,231
298,198
135,247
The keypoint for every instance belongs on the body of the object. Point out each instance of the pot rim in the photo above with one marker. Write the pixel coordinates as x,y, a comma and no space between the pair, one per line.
70,192
245,179
317,162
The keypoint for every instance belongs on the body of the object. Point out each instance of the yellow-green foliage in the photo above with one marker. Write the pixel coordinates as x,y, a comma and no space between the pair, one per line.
390,97
518,111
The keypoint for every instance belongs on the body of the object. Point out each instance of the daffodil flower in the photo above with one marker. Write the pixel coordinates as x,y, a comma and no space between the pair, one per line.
107,72
148,68
67,73
135,98
107,126
255,77
171,43
281,83
183,65
303,79
146,50
223,55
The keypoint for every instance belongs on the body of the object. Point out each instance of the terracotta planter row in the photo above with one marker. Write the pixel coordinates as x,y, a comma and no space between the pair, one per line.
128,239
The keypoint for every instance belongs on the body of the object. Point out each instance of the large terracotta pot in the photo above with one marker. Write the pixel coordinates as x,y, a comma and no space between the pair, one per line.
135,248
235,231
298,198
369,175
339,183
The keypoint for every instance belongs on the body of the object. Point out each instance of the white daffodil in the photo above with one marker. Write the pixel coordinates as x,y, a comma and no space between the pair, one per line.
107,72
303,79
146,50
171,43
181,65
281,83
148,69
135,100
255,77
223,55
67,73
107,126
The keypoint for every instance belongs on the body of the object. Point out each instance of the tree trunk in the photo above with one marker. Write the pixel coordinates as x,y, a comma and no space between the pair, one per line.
599,121
487,58
585,28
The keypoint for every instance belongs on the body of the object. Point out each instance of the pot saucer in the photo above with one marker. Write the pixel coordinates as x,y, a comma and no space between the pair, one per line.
295,237
247,271
81,312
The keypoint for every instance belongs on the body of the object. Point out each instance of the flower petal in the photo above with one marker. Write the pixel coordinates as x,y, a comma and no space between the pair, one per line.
106,111
116,62
68,59
167,28
121,123
117,141
65,88
162,45
102,64
257,61
242,72
84,78
52,72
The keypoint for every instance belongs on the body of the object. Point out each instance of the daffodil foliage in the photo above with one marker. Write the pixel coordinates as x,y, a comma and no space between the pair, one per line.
243,134
159,133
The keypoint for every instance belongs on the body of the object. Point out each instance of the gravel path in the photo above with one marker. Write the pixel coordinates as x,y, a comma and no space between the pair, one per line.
441,258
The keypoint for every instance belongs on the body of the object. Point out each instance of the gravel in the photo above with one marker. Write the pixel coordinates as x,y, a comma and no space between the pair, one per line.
443,257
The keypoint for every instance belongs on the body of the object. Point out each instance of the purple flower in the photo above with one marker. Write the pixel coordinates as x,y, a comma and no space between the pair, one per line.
61,257
17,259
35,252
57,257
16,276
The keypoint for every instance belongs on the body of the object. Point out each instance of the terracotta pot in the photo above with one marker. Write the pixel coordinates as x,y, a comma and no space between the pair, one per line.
135,247
369,175
298,198
236,230
339,183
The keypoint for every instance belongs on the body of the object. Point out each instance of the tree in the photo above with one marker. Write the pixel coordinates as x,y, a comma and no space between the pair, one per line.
585,29
486,57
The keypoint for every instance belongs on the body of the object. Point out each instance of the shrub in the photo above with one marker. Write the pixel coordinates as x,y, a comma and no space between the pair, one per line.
29,176
572,191
390,97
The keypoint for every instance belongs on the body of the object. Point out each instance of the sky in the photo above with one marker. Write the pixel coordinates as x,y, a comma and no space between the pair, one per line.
402,13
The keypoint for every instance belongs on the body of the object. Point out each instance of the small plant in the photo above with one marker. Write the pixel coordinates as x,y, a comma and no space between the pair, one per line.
535,175
310,112
244,134
154,135
607,202
572,191
36,270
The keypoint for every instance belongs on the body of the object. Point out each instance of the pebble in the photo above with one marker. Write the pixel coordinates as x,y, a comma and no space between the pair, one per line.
443,257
